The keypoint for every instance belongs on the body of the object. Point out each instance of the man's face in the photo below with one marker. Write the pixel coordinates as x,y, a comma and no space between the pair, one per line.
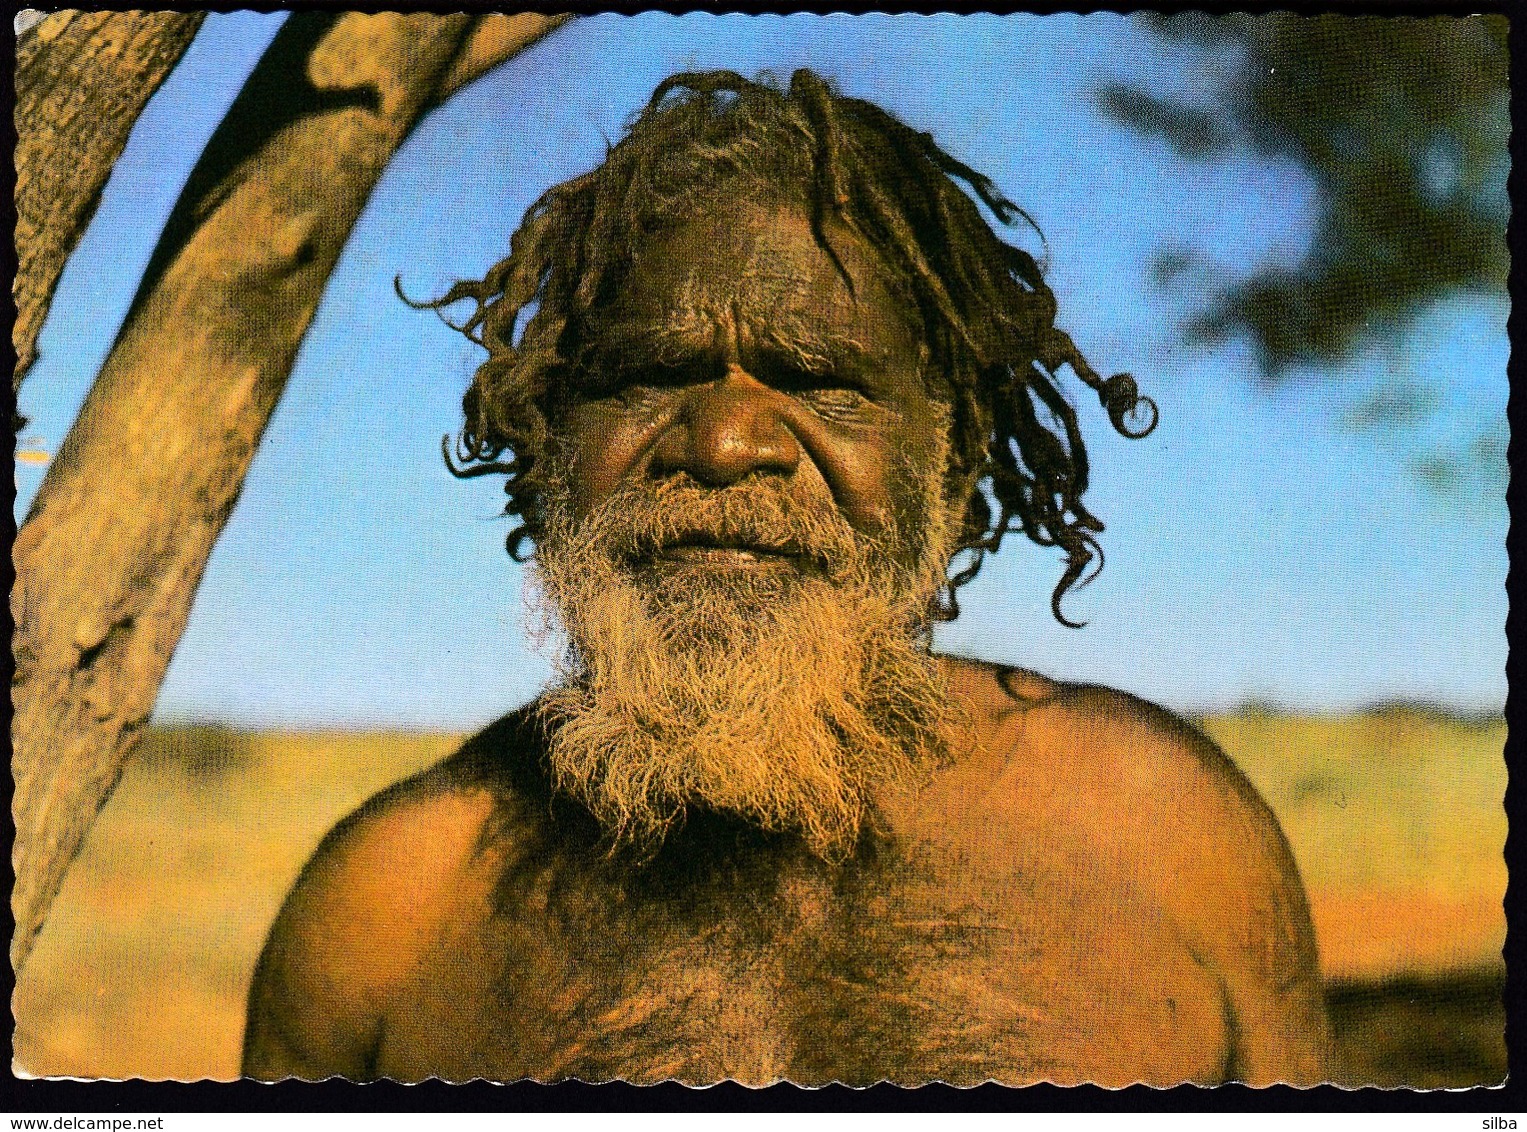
737,350
746,527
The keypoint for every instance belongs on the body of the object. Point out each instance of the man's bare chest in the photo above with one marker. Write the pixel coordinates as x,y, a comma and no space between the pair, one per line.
906,975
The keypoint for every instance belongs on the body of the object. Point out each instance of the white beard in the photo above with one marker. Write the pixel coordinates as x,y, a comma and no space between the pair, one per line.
790,699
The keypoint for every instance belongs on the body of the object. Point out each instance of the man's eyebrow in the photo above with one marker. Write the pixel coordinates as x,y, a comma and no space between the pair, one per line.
813,351
636,342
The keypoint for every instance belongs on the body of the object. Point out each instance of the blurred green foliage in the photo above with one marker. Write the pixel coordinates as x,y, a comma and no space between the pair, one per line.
1403,125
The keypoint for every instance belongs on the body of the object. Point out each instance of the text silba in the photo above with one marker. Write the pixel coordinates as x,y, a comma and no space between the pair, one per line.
1499,1122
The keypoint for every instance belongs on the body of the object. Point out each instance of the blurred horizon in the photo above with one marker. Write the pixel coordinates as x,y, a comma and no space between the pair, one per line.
1265,547
1246,710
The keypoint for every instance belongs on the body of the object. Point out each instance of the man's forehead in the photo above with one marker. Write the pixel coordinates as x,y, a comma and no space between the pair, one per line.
757,275
685,333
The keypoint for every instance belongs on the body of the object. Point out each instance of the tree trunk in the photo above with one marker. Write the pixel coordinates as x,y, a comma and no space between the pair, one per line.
110,557
82,79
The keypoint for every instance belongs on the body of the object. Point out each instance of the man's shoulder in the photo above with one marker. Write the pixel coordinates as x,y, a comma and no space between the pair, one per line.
411,845
1125,806
1137,791
1160,777
384,890
1135,753
1046,741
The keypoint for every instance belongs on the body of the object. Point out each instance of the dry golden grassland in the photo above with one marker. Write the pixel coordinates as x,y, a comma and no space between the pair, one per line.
1397,822
1395,818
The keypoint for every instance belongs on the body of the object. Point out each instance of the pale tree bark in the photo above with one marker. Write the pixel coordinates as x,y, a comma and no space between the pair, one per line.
109,560
82,79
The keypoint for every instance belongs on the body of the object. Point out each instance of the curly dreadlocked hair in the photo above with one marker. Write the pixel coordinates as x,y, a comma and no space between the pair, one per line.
989,317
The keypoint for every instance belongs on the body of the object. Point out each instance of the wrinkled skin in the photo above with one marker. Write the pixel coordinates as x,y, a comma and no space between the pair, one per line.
737,350
1087,890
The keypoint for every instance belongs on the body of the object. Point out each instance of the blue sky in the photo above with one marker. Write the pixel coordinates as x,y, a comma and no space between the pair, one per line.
1256,549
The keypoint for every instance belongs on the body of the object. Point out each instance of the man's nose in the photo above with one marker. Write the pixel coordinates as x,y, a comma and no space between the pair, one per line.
729,429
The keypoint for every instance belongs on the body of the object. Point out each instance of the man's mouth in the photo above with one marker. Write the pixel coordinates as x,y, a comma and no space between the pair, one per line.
707,550
691,554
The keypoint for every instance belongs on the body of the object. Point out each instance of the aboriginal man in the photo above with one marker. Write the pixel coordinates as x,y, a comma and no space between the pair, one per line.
765,387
